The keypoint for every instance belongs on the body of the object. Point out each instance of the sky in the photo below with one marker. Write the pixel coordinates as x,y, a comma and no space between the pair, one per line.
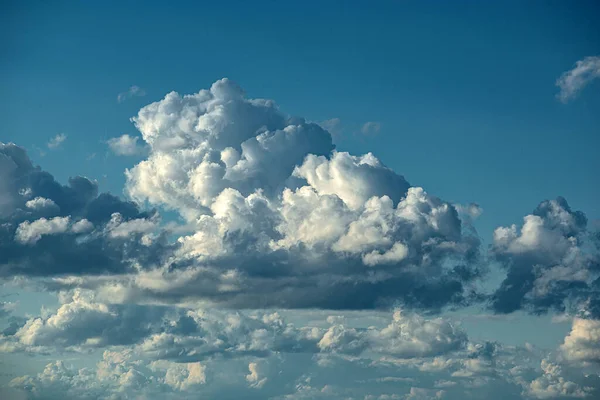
393,200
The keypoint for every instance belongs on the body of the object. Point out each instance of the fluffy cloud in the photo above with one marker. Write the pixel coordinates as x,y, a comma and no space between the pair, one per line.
190,335
125,145
412,336
552,385
582,344
573,81
255,378
30,232
320,227
552,260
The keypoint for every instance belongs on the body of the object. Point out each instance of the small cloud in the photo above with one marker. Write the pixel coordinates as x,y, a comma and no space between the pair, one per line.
125,145
56,141
574,80
133,91
90,157
333,126
370,128
472,210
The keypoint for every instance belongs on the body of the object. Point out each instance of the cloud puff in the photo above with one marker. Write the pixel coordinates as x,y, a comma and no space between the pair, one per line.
573,81
410,335
551,261
30,232
56,141
582,344
133,91
125,145
255,378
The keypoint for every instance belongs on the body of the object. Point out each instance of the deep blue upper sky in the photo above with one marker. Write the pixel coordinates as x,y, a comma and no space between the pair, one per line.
464,91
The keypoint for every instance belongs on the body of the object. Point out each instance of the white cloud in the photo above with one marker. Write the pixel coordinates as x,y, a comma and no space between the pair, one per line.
117,227
552,385
185,376
582,344
40,204
551,249
125,145
573,81
409,335
133,91
30,232
255,378
82,226
57,140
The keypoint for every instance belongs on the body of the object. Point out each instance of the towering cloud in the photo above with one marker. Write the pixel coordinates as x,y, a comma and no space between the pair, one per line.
272,204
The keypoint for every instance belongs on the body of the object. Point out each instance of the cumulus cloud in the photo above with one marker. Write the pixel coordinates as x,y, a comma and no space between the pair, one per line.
133,91
551,261
573,81
40,203
56,141
275,217
255,378
553,385
312,222
410,335
582,344
30,232
125,145
175,352
193,335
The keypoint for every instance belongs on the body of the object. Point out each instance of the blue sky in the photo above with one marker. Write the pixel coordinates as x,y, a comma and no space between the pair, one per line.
460,98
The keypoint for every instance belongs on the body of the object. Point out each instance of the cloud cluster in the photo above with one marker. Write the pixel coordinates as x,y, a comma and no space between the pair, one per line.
552,261
48,229
582,344
272,204
172,352
190,335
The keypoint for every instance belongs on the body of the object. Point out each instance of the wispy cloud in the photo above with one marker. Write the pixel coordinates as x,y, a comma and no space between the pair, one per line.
333,126
370,128
56,141
573,81
133,91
